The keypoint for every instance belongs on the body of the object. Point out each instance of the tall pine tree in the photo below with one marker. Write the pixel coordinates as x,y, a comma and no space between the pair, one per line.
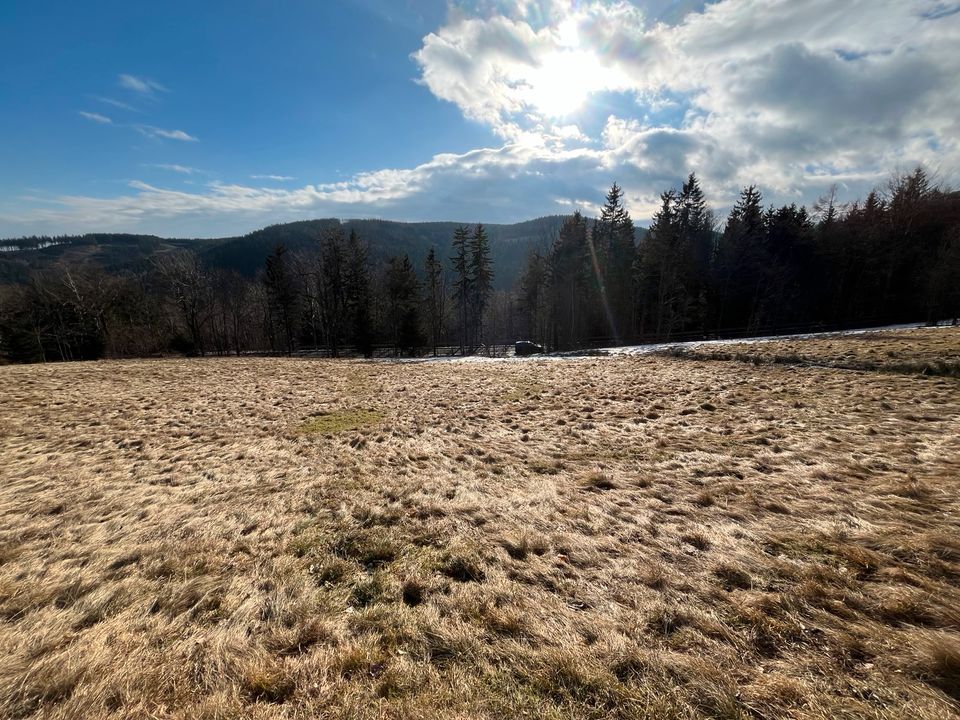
359,296
435,294
403,292
658,286
570,279
481,281
615,249
740,263
695,235
462,287
533,300
282,300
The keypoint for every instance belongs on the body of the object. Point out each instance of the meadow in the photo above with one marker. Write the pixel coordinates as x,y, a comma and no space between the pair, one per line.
704,536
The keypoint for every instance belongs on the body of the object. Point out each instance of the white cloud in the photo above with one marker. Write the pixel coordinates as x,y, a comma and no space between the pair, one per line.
772,86
492,184
143,86
180,135
501,69
276,178
97,117
174,135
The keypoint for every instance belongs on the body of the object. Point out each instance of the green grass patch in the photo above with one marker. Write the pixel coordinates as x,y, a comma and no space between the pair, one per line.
523,391
337,421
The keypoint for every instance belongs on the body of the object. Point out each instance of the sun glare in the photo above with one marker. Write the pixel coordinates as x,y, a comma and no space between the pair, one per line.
560,86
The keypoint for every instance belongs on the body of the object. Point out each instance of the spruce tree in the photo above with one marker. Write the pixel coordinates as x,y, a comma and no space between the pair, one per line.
481,281
534,285
359,296
333,289
434,296
740,262
656,270
570,278
403,292
695,234
615,250
282,299
462,287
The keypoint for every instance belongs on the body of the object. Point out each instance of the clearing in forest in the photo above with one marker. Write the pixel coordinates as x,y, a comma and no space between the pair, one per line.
613,537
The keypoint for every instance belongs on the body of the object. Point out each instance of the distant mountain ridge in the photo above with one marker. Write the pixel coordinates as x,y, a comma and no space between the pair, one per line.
509,245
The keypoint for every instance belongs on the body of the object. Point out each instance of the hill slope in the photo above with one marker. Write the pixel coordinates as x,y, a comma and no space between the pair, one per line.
114,252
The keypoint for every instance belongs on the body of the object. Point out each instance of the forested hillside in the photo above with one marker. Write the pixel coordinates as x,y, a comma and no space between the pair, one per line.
124,252
368,287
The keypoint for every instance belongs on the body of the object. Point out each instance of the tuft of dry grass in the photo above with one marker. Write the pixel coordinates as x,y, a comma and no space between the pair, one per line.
935,657
619,537
598,481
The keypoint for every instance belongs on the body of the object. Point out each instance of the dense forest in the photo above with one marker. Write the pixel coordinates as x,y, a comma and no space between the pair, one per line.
892,257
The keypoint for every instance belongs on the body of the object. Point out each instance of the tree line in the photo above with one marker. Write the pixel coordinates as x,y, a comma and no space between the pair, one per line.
892,257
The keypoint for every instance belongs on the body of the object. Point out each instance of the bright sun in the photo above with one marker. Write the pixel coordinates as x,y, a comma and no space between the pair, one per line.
560,86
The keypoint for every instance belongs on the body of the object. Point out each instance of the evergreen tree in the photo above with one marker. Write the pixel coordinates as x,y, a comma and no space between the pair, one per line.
657,271
907,240
943,290
570,276
462,285
359,296
614,250
282,299
333,289
848,250
740,263
481,281
893,257
403,293
434,297
695,235
533,300
787,265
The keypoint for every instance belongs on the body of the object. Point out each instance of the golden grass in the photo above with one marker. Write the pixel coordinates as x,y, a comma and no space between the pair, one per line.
923,351
621,538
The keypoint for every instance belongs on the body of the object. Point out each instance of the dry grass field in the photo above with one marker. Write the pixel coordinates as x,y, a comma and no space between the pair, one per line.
927,351
632,537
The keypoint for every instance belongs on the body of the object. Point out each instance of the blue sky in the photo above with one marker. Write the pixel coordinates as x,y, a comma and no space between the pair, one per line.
314,90
212,118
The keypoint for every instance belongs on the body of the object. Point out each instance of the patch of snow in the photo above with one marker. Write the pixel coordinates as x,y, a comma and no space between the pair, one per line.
633,350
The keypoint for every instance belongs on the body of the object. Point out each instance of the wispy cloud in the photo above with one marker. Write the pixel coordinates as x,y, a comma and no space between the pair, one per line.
175,135
180,135
144,86
97,117
117,103
277,178
182,169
